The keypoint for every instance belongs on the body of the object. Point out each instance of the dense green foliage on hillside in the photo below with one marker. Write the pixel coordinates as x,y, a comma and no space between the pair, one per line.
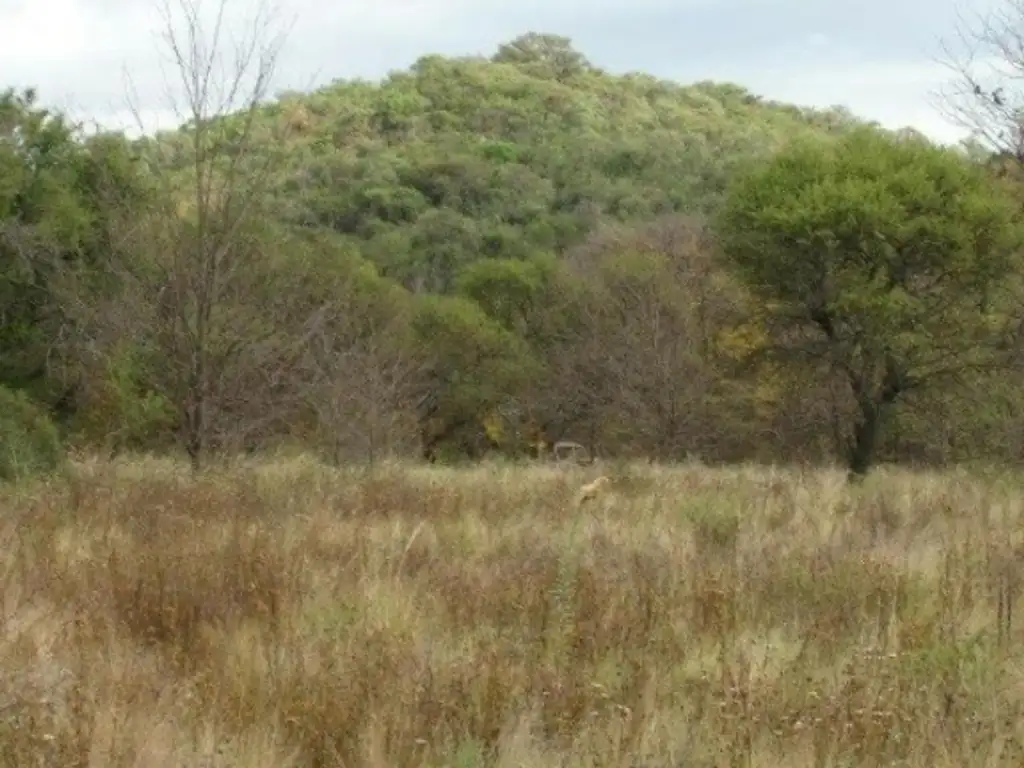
460,159
481,256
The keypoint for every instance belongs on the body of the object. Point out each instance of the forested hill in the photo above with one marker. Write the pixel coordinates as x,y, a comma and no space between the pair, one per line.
457,159
483,256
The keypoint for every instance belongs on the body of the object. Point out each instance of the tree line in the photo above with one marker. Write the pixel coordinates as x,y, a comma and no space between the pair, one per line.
482,256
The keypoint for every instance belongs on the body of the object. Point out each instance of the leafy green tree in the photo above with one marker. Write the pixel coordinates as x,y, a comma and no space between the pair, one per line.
513,292
537,301
44,220
891,262
446,241
473,366
60,194
545,54
118,409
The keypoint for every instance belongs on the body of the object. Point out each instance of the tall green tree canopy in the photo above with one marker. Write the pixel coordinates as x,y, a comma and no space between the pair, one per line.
888,259
55,192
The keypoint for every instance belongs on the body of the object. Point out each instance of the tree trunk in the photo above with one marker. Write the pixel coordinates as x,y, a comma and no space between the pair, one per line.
861,451
194,448
872,404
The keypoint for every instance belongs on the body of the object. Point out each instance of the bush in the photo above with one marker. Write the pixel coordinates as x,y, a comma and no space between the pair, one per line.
29,441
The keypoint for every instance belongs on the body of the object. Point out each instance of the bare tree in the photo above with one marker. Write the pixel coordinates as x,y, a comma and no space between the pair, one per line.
986,57
659,306
195,276
362,385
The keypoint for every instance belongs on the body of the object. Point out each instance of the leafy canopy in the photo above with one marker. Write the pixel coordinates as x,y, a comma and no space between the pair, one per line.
886,246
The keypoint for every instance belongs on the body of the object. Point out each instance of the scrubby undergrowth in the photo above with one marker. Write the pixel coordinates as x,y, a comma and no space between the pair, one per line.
29,442
288,615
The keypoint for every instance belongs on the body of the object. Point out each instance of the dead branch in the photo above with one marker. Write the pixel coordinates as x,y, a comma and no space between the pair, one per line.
986,58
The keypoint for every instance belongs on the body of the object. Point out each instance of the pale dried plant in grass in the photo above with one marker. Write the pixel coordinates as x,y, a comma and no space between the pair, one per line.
287,614
593,490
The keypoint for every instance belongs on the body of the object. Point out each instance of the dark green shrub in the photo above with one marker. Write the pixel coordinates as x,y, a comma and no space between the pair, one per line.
29,441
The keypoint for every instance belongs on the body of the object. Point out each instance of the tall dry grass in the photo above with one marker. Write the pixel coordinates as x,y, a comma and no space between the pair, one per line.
289,615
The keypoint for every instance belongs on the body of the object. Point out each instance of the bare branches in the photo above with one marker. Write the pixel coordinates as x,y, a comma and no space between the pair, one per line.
987,93
206,82
193,280
361,382
645,356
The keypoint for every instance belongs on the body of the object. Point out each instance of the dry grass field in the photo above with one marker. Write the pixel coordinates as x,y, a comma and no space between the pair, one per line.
284,614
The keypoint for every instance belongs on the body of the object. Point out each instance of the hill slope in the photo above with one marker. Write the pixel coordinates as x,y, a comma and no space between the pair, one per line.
457,159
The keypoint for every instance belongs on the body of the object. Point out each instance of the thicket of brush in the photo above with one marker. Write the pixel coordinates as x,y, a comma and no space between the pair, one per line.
284,614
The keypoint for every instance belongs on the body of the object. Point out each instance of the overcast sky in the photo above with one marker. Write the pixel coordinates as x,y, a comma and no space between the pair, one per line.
877,57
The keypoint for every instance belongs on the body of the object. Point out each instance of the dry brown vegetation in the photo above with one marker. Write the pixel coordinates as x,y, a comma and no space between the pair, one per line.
286,614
